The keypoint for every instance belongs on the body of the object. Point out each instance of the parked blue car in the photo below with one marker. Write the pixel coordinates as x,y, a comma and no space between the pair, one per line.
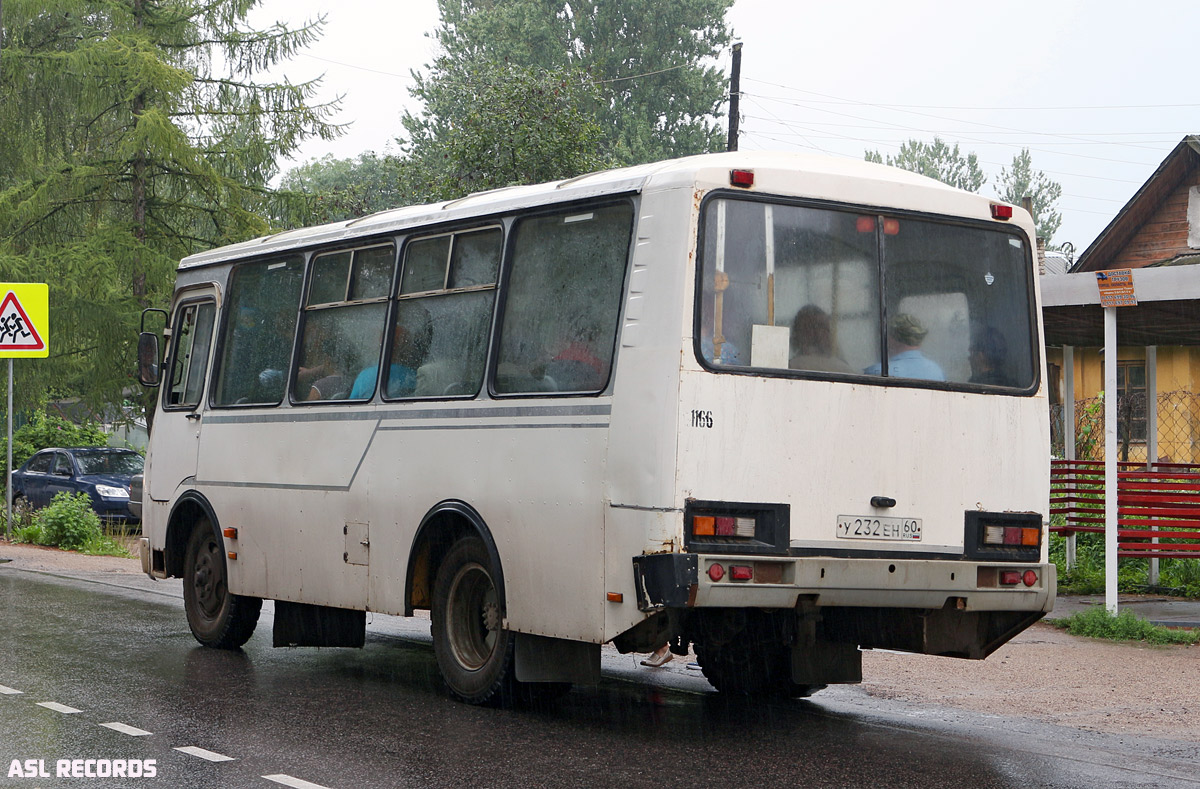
101,472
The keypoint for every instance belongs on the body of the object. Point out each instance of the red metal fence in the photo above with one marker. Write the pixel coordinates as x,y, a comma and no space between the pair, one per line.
1158,509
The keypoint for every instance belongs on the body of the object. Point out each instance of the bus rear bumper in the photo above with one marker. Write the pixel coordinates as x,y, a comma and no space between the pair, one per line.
692,581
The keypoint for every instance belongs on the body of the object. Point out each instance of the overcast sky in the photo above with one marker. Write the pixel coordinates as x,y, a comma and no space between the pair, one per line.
1099,91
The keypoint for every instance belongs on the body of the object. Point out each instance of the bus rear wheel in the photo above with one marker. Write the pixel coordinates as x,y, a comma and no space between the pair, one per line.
216,617
474,652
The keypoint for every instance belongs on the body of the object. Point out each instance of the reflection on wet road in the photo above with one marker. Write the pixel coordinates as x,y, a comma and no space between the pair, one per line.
377,717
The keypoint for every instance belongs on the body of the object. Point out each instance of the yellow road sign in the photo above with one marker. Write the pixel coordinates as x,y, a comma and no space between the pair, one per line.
24,319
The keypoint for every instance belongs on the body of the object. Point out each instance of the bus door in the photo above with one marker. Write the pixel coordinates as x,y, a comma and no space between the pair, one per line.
175,439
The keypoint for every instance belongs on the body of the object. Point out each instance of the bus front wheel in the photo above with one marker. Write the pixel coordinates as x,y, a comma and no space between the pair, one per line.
217,618
474,652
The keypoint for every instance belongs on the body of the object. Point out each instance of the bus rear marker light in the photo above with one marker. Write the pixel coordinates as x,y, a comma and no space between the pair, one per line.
233,554
741,572
230,532
742,178
1029,578
1010,577
716,572
616,597
1002,212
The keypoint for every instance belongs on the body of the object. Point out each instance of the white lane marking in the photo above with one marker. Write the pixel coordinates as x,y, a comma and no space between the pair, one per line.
6,691
295,783
127,729
54,705
192,750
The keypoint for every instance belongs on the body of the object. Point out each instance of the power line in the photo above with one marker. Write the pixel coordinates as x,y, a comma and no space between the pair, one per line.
836,100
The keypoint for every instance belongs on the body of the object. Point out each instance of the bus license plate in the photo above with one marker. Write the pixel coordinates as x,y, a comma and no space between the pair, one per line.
852,527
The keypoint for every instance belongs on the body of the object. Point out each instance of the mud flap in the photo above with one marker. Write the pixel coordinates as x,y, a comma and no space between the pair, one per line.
826,663
302,625
545,659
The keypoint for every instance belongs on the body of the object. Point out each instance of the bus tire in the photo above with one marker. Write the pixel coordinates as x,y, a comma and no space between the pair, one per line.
474,653
216,617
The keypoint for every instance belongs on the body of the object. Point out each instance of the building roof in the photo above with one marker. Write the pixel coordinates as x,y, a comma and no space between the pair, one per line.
1179,164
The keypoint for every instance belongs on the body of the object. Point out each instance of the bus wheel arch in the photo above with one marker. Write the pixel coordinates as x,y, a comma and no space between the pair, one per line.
189,509
447,523
196,552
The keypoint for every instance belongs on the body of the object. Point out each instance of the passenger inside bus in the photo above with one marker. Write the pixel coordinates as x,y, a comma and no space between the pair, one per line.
730,354
812,343
319,377
905,360
988,355
411,336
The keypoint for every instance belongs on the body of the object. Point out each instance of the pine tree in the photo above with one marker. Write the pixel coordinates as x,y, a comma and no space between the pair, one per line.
136,132
1021,181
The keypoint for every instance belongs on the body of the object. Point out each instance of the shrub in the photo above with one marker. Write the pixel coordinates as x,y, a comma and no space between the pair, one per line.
68,521
1097,622
47,430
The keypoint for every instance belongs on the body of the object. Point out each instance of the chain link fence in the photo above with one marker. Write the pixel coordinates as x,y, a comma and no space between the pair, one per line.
1178,416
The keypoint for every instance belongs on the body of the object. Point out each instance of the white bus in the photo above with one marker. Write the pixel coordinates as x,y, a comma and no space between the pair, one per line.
778,408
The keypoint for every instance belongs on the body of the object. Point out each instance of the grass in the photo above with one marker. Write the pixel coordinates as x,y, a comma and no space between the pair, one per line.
1098,622
1177,577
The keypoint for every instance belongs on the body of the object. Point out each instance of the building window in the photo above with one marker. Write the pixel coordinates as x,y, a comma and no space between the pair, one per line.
1131,401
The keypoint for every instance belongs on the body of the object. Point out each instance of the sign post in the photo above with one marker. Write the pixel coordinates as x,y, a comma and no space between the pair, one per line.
24,332
1116,290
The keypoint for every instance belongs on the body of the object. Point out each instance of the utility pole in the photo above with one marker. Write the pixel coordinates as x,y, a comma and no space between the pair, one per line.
735,95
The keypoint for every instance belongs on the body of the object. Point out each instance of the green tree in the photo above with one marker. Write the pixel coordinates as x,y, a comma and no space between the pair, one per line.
1021,181
337,189
936,160
656,91
136,132
510,124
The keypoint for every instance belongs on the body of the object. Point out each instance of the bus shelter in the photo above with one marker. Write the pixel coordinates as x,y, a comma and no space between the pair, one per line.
1164,311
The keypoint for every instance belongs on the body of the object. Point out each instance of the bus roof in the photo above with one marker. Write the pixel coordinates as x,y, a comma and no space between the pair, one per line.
823,175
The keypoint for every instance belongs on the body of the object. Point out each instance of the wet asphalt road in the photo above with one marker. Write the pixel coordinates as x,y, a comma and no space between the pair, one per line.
118,650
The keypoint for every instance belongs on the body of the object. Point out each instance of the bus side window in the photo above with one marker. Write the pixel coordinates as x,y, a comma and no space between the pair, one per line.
564,299
258,331
343,324
193,335
444,314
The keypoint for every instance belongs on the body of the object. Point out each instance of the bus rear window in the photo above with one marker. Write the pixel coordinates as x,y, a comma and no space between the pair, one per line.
807,290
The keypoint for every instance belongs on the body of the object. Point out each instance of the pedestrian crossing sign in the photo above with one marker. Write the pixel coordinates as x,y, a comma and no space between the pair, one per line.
24,319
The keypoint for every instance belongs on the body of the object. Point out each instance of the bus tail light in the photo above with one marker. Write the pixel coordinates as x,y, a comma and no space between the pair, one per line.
1010,577
736,527
1012,535
723,526
741,572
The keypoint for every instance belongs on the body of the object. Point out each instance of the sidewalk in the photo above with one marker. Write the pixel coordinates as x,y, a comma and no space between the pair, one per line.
1168,611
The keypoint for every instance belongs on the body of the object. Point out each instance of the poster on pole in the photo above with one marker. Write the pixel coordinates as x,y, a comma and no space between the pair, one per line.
1116,288
24,320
